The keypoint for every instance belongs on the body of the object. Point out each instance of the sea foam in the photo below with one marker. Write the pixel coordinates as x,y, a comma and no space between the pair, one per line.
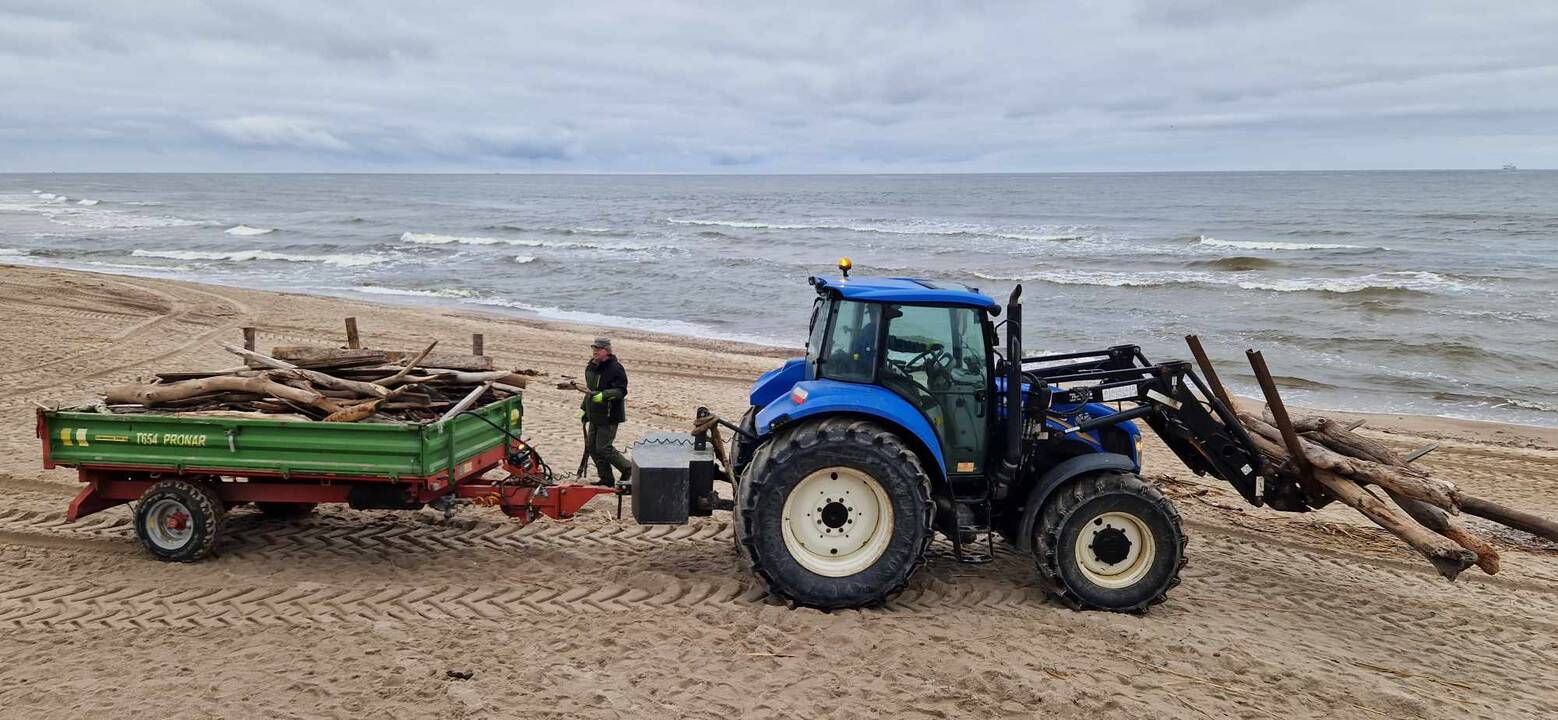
246,230
262,255
1268,245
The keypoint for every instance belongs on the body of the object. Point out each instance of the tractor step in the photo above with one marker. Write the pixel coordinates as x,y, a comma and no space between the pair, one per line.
973,520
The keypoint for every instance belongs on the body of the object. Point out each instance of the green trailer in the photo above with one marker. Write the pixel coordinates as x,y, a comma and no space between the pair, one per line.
187,471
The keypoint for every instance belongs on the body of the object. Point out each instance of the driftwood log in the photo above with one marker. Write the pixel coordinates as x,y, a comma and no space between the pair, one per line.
330,384
1414,506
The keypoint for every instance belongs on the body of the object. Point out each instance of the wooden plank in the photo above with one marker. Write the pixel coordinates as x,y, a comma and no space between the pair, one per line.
352,341
249,335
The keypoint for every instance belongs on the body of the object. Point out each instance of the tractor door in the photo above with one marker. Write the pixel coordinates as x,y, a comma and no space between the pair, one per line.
937,359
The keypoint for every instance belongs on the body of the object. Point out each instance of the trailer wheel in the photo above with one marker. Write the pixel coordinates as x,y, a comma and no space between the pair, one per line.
834,514
179,521
1109,541
285,510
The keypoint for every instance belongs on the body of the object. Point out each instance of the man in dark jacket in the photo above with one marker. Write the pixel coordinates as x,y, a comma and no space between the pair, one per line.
607,386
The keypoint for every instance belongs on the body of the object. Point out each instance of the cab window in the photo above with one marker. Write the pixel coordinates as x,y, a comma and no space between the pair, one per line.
850,353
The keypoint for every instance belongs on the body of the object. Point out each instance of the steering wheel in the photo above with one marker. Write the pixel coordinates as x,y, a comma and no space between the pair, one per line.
933,359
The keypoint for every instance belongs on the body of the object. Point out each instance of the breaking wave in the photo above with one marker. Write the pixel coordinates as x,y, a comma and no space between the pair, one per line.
110,220
436,239
246,230
524,259
1410,281
1268,245
262,255
1415,281
1073,233
562,230
673,327
86,202
451,293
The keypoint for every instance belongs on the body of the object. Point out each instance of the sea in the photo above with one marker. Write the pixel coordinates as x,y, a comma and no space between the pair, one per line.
1431,293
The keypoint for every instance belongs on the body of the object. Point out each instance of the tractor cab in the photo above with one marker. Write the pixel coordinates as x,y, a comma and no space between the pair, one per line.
928,343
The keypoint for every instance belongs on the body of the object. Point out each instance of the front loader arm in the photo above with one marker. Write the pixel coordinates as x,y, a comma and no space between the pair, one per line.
1203,433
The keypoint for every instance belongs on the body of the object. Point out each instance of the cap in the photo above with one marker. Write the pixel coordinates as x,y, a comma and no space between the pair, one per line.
601,342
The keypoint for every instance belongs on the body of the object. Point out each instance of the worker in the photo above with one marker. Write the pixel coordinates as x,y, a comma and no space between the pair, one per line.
606,386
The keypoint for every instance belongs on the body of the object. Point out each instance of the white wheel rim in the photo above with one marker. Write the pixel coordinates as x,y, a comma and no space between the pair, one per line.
169,524
837,522
1115,550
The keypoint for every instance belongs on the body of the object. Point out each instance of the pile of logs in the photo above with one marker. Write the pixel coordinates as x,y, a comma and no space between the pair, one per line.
332,384
1328,461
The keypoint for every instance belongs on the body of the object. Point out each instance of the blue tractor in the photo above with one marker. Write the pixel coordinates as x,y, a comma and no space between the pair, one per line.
906,418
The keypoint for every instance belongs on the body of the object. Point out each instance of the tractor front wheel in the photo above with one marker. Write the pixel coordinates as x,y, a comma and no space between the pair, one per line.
834,514
1109,541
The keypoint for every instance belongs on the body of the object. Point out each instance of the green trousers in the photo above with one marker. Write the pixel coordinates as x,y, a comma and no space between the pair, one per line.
605,455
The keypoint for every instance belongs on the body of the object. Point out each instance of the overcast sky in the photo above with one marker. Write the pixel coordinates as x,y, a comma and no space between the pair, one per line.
842,85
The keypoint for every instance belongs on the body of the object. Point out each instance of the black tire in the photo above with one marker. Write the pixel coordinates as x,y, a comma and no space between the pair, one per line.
800,452
1081,506
286,510
194,507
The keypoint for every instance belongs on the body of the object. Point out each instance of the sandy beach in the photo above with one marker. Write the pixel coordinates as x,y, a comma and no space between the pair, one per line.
361,614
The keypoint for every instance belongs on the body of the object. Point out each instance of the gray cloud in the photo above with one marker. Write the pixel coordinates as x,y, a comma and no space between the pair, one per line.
620,85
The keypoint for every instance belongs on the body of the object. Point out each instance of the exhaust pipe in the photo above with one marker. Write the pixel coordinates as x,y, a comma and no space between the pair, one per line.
1009,463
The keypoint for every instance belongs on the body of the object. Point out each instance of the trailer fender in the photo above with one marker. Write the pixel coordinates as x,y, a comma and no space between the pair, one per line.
1057,476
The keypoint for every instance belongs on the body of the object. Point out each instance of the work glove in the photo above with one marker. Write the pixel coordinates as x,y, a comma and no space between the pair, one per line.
599,397
582,417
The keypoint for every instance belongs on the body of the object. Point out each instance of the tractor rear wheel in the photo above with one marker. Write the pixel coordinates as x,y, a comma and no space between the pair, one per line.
1109,541
834,514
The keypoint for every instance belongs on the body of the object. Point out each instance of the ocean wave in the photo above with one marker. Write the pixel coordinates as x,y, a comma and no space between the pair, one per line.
1317,232
246,230
112,220
13,252
1407,281
561,230
673,327
524,259
1413,281
1268,245
1238,263
436,239
86,202
262,255
139,268
1532,405
450,293
1074,233
1496,401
